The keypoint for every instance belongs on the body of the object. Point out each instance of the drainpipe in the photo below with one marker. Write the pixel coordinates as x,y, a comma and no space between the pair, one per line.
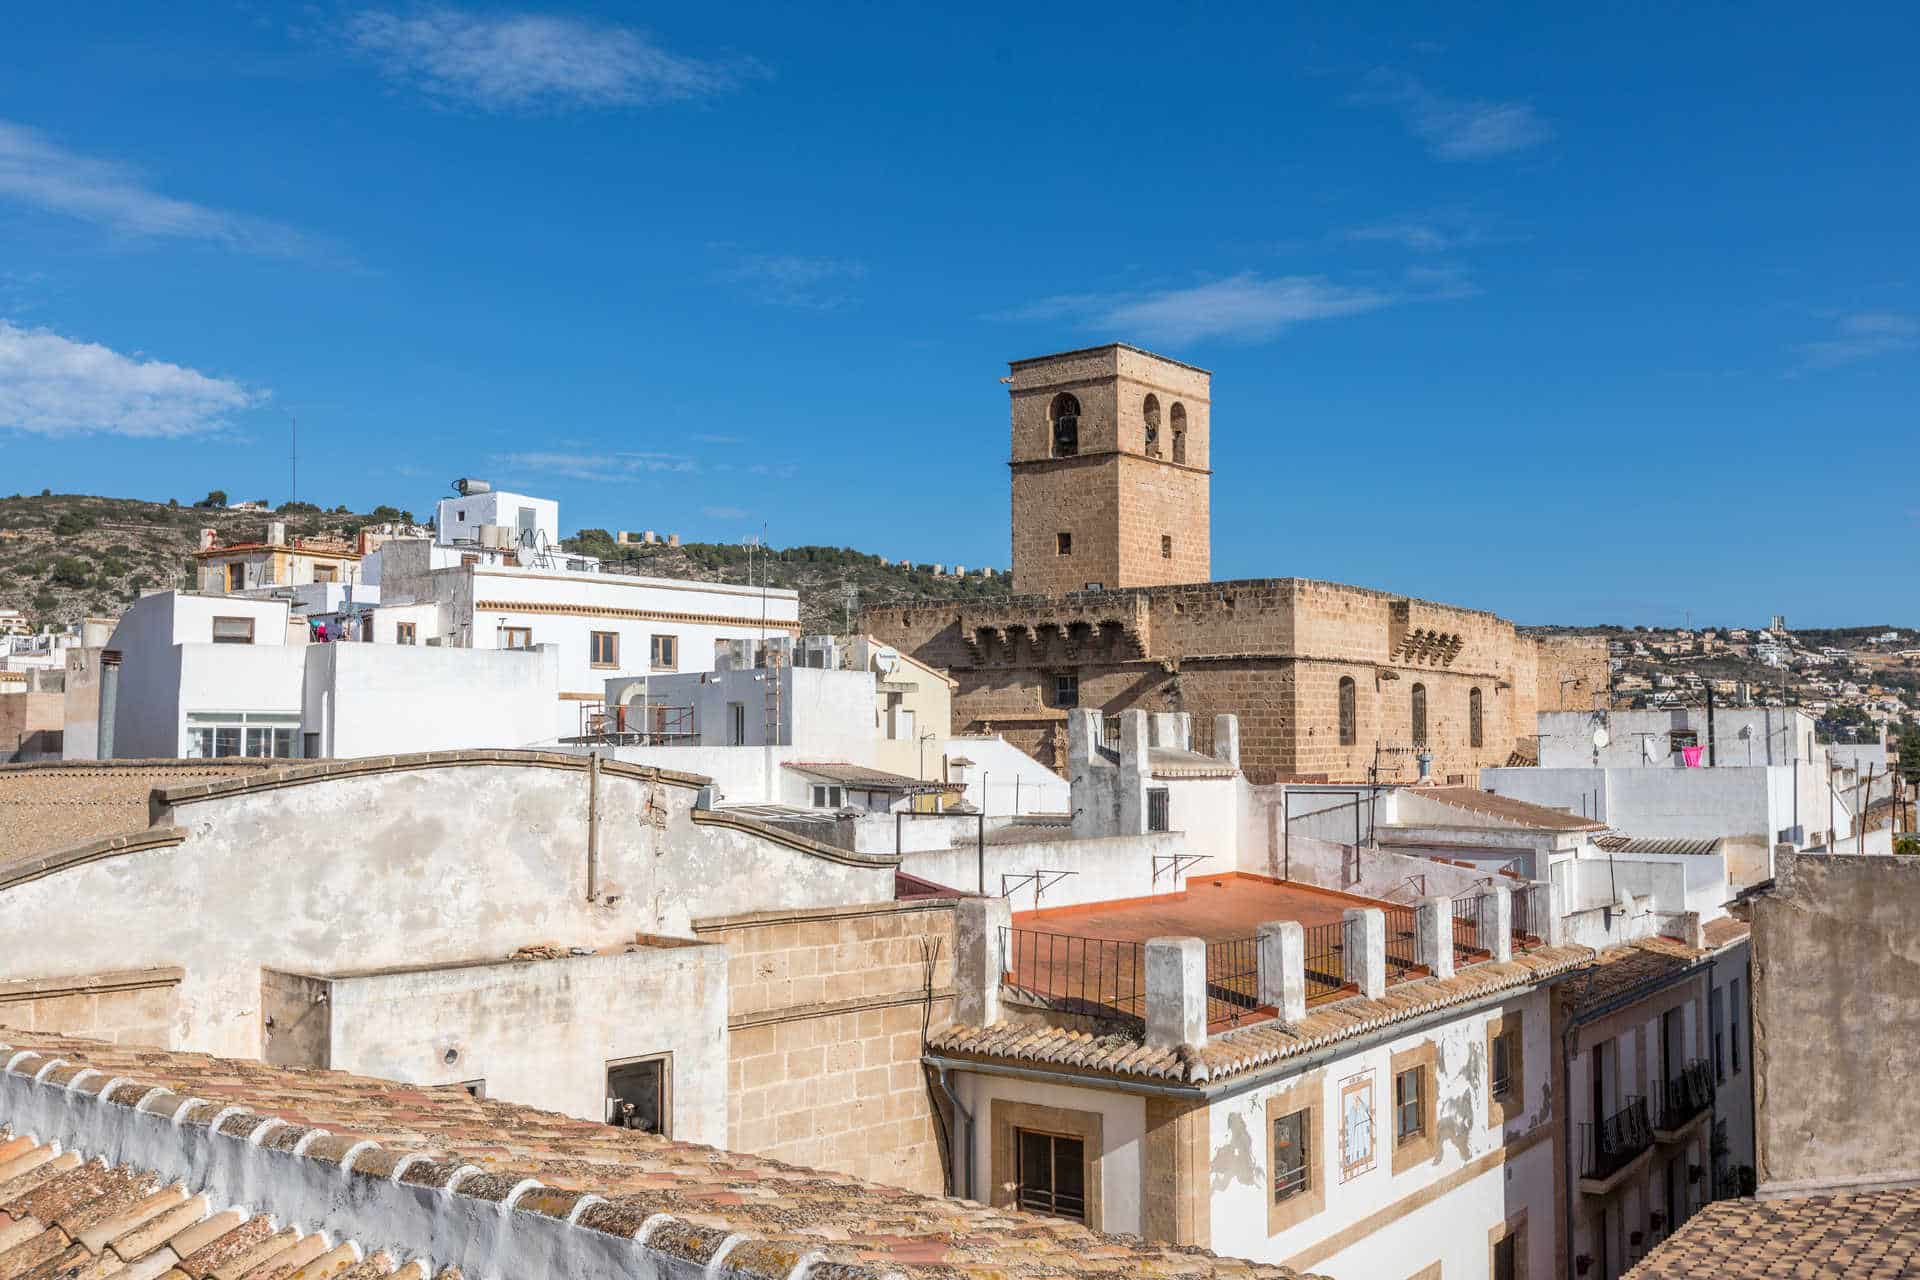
964,1120
593,826
109,702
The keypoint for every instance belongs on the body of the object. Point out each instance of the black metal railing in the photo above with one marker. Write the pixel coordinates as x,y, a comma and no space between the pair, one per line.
1528,925
1100,976
1613,1143
1233,981
1686,1095
1401,934
1467,944
1325,956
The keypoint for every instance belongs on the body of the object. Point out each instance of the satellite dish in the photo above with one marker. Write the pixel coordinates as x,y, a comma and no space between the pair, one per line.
886,660
523,555
1601,738
1746,731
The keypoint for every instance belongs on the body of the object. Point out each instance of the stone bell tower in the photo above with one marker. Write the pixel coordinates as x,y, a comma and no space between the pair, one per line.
1110,471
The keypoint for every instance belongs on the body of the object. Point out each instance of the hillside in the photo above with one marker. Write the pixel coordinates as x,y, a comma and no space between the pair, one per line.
65,556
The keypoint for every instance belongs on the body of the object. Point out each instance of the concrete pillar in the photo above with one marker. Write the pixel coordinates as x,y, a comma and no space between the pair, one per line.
1365,936
1135,741
979,926
1226,739
1433,936
1496,920
1083,735
1176,992
1282,960
1135,771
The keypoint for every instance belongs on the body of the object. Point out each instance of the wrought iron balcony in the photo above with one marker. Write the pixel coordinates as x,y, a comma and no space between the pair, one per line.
1615,1142
1686,1096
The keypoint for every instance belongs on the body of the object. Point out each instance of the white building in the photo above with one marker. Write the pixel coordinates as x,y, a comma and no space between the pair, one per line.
196,676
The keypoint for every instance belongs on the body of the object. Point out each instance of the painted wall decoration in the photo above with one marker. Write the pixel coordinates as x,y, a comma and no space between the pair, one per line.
1356,1125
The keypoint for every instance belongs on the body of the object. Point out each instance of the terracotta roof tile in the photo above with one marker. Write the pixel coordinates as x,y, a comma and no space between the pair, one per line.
855,1229
1519,812
1247,1049
1636,844
45,807
1871,1234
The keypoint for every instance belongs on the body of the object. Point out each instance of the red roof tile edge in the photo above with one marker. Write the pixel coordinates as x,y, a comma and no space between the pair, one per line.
348,1187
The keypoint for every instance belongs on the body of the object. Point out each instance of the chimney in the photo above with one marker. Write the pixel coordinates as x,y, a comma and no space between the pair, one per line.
277,533
1426,764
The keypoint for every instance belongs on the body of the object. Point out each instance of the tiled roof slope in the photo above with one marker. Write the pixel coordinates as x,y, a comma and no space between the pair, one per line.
44,807
1663,847
62,1216
1619,970
585,1192
1519,812
1872,1235
1250,1048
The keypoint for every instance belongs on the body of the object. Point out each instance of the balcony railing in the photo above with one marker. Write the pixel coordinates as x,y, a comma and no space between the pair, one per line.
1686,1095
1325,955
1099,976
1614,1143
1233,981
1401,933
1468,945
1528,924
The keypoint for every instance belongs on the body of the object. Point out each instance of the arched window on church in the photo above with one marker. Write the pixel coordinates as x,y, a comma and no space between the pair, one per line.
1065,420
1150,412
1349,712
1178,420
1476,733
1419,715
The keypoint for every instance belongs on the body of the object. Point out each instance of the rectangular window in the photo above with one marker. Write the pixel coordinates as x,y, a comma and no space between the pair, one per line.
326,573
1717,1018
666,653
1733,1024
236,576
736,724
604,648
516,637
1052,1176
233,630
825,797
1506,1259
310,746
640,1094
1290,1156
1501,1076
1409,1111
1066,691
405,633
1166,546
1063,543
1158,807
1680,738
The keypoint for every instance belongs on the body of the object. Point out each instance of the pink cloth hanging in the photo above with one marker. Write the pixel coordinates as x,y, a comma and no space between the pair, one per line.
1692,756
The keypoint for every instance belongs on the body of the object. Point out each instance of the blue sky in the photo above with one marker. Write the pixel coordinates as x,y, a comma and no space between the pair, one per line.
1569,316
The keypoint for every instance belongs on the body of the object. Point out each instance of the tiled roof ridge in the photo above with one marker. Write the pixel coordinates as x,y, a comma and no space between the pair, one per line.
357,766
1510,807
131,765
46,864
793,839
468,1205
1237,1052
432,1204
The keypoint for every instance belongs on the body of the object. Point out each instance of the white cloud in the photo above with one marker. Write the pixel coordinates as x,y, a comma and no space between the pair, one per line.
1244,306
726,513
1862,336
1455,128
788,280
52,385
597,466
529,61
1419,237
37,172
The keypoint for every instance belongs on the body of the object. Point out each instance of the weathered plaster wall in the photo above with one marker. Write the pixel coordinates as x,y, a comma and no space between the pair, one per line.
129,1007
1100,869
1836,1020
540,1032
1377,1222
404,867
